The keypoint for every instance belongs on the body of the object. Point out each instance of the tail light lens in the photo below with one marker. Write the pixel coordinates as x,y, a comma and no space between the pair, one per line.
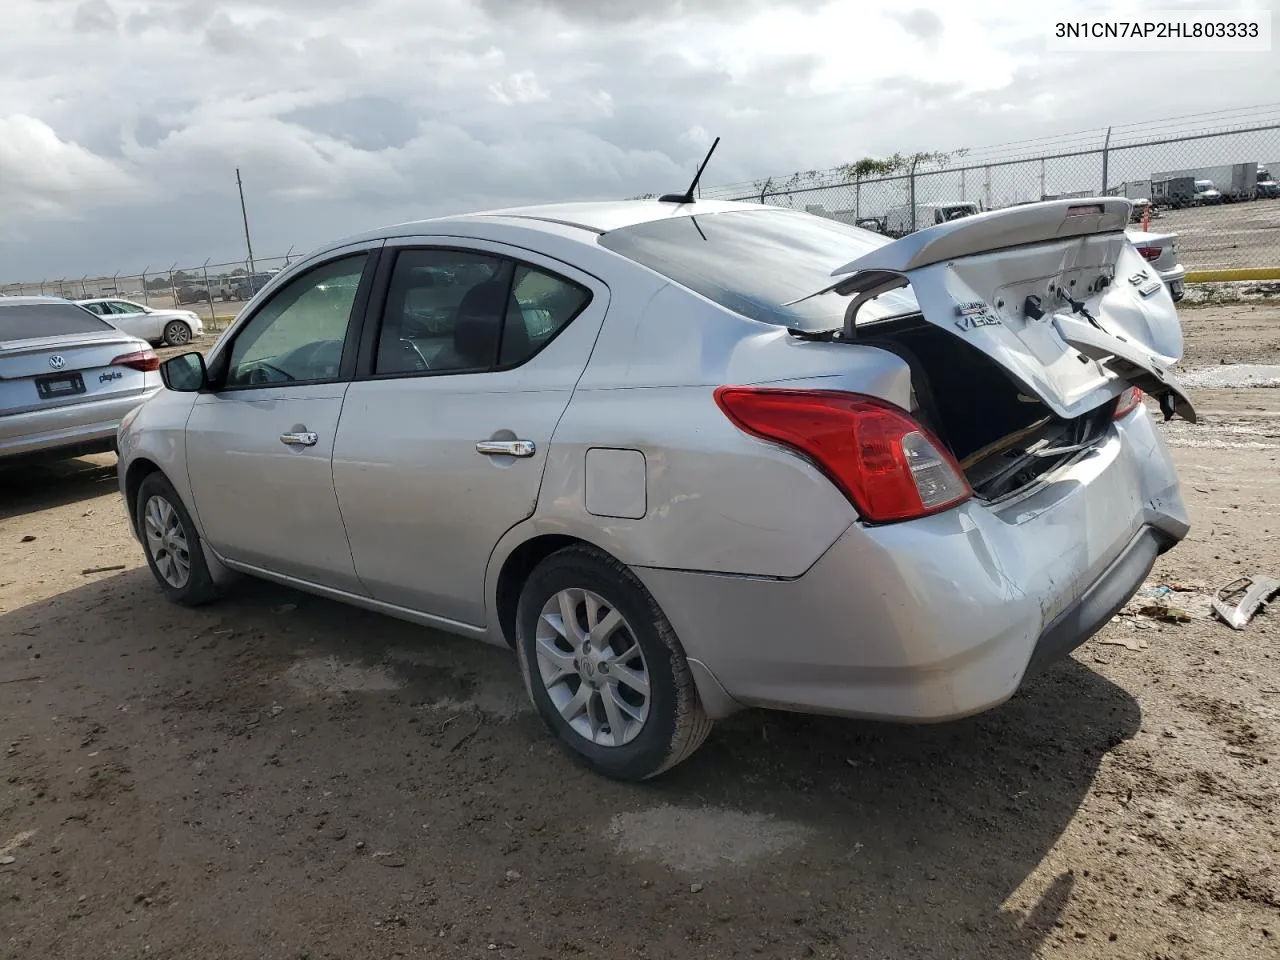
888,465
144,360
1149,253
1128,402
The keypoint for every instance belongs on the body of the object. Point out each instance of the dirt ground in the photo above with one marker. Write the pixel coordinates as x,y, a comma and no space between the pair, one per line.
278,776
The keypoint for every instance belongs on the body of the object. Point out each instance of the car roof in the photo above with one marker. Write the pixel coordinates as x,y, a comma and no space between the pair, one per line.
27,301
595,217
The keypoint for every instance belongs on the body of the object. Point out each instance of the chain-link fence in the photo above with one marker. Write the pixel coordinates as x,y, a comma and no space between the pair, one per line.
216,291
1214,188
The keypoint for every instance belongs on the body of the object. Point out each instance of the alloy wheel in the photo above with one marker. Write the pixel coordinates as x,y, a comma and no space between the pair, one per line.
592,667
167,542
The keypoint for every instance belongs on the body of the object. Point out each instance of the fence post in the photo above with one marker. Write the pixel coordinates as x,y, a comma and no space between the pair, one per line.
961,183
912,192
173,290
146,294
42,288
1043,194
208,294
986,186
1106,154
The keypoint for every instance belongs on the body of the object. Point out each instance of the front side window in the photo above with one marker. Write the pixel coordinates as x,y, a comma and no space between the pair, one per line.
96,308
299,333
120,307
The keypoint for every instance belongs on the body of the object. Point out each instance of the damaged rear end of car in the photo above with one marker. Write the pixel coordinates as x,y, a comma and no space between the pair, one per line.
1036,328
1011,487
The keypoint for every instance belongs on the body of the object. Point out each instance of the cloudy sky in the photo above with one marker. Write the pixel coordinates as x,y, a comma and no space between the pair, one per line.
122,121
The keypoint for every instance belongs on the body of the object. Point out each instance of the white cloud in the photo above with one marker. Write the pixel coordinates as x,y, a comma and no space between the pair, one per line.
44,176
522,87
131,115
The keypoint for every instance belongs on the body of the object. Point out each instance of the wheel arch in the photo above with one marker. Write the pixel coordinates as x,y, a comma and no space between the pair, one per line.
516,556
138,470
514,570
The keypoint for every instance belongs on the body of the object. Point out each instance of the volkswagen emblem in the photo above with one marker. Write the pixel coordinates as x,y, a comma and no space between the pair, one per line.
56,362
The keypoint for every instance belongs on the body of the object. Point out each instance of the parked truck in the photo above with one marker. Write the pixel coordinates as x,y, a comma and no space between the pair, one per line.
898,221
1132,190
1233,181
1173,193
1267,186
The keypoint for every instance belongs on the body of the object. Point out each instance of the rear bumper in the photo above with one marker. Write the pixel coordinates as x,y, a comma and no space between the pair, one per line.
75,428
1175,279
1100,602
946,616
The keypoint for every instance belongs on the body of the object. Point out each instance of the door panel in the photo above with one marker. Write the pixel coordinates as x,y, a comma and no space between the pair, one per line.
262,501
260,444
423,506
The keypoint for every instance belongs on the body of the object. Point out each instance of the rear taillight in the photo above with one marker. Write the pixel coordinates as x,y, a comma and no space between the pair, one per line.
1149,253
889,466
143,360
1128,402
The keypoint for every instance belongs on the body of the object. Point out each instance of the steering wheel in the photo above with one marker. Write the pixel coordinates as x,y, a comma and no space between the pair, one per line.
258,373
415,355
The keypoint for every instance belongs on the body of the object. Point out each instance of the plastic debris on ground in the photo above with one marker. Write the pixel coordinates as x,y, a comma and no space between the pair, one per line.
1167,603
1238,601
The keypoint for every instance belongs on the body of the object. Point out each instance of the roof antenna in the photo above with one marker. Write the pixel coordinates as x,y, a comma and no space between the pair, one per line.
687,196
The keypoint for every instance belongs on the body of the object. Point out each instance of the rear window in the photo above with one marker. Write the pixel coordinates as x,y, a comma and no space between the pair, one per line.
25,321
755,261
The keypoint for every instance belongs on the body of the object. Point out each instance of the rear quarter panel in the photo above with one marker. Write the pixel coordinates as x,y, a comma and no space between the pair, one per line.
716,499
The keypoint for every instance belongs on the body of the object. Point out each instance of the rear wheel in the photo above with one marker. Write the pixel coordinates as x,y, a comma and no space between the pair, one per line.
171,543
177,333
604,668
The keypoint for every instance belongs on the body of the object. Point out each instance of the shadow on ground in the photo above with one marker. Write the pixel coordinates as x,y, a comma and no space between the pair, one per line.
31,486
279,769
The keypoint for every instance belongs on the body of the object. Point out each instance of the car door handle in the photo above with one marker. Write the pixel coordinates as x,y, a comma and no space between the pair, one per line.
300,439
506,448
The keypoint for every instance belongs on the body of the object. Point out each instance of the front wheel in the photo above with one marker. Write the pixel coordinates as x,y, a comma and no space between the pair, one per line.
172,544
177,333
604,668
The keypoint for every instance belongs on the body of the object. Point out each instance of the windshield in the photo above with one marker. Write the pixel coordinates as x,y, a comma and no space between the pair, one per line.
1204,184
27,321
755,261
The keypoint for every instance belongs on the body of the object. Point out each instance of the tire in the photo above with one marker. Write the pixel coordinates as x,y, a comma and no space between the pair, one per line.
170,515
177,333
673,724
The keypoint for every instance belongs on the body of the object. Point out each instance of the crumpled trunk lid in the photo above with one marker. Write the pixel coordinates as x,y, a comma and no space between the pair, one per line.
1055,293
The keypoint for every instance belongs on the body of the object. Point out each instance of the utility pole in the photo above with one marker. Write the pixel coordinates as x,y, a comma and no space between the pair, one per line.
247,242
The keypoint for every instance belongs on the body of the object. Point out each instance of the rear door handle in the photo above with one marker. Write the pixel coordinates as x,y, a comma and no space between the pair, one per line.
300,439
506,448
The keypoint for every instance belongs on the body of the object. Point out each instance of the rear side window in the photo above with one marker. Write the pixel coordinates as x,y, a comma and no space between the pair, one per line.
541,304
454,311
25,321
755,262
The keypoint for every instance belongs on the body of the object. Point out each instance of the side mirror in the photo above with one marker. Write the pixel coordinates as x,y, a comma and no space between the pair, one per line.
185,373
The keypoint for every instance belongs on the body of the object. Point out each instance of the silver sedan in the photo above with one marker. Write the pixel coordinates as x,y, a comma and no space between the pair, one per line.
66,378
690,457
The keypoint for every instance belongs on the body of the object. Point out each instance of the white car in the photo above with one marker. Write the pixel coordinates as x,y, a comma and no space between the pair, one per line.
174,327
1161,251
